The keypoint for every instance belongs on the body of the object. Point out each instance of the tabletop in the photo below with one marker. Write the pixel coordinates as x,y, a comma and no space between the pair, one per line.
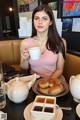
15,111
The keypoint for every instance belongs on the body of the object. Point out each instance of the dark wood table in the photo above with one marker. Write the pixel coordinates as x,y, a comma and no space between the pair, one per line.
15,111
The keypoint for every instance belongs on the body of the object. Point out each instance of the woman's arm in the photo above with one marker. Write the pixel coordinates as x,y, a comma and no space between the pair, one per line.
60,64
24,64
59,68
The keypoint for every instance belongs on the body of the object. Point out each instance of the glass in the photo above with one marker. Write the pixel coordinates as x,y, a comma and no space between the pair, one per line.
2,98
1,71
1,75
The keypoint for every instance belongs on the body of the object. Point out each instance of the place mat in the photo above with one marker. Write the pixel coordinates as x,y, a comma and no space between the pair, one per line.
13,74
7,68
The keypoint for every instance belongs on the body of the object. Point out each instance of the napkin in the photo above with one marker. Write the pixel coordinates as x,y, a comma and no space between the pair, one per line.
29,79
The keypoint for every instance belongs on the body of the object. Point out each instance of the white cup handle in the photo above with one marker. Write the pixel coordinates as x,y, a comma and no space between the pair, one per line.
71,78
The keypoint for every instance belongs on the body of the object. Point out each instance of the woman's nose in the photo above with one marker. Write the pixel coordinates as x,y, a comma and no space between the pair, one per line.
40,20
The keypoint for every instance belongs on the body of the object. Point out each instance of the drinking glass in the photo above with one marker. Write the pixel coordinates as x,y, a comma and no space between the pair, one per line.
1,74
2,98
2,90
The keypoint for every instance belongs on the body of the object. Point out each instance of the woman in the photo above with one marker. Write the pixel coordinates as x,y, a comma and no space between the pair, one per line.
44,35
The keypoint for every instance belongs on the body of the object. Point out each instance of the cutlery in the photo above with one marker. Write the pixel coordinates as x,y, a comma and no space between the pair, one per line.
64,108
13,76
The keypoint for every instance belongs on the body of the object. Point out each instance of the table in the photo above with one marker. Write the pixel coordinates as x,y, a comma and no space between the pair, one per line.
15,111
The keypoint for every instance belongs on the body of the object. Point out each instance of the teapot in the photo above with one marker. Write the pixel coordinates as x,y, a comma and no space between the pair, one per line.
17,89
75,87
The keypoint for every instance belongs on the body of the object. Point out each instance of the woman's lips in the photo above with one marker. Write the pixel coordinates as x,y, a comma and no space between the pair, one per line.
40,26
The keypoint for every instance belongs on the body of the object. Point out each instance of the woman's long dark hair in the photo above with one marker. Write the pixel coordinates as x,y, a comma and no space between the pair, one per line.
54,41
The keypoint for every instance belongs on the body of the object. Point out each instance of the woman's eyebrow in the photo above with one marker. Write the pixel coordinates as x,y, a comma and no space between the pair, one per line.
36,16
42,16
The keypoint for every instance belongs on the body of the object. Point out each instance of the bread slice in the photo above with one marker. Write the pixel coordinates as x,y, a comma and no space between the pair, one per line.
56,89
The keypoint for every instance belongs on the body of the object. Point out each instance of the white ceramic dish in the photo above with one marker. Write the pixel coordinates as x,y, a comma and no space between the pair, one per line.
44,107
17,89
78,110
28,116
66,87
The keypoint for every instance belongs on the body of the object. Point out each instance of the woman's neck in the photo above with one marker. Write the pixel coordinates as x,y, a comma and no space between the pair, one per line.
42,37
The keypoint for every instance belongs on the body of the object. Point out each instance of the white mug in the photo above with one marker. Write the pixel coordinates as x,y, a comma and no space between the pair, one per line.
35,53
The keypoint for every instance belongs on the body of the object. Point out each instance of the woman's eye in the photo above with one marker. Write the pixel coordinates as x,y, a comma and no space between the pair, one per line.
36,18
44,18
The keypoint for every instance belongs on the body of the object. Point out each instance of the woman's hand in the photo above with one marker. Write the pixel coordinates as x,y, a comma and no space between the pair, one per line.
25,54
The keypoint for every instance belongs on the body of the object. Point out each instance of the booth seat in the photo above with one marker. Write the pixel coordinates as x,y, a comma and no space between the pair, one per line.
10,54
72,65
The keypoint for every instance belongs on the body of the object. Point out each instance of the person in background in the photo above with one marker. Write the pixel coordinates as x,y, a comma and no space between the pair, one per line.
45,36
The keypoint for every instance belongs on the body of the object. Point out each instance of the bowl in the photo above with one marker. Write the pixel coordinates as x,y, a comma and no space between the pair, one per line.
44,107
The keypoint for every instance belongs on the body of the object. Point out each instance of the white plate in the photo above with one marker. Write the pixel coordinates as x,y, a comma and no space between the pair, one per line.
78,110
27,114
66,86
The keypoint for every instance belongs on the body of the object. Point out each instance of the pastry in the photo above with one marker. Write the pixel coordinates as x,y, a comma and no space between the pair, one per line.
56,89
51,86
43,84
55,81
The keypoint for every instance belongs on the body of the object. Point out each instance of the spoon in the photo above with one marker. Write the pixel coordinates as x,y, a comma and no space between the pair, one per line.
64,108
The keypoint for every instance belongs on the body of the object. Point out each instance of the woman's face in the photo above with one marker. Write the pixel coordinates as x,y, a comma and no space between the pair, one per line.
41,21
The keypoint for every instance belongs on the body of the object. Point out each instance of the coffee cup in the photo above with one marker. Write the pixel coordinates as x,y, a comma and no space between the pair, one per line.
35,53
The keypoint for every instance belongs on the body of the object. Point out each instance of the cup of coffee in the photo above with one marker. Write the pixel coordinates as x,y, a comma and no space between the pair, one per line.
35,53
2,98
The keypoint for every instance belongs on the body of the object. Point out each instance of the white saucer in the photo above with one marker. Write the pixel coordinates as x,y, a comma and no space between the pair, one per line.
78,110
28,116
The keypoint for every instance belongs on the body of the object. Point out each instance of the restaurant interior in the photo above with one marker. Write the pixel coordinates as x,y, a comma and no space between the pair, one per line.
13,14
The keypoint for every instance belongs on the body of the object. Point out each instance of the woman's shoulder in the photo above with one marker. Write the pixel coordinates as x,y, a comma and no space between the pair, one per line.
26,43
26,40
63,40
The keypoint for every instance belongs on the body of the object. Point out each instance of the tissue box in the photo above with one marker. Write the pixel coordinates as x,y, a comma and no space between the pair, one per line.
44,107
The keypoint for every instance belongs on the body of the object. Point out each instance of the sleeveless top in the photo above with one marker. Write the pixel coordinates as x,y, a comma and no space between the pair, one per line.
46,65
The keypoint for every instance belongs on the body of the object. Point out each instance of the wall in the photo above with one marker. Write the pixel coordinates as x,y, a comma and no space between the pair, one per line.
13,19
73,42
72,38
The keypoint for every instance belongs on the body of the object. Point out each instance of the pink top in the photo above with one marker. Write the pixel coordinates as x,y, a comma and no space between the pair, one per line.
46,65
